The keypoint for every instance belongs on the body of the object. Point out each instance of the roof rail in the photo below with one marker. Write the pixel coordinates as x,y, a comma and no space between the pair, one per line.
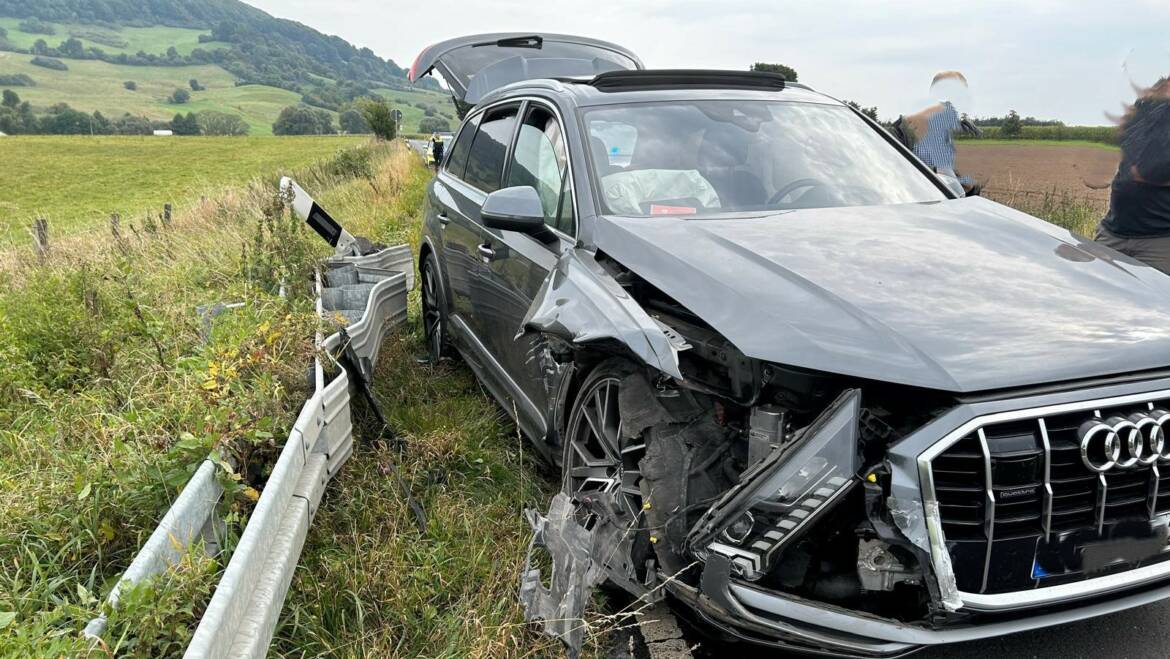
613,81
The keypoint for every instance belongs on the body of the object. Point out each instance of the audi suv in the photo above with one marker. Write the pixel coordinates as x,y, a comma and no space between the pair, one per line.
794,381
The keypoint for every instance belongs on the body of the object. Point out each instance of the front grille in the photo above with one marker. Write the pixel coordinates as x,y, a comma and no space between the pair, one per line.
1021,510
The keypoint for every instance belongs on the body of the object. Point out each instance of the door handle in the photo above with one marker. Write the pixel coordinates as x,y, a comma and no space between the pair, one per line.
444,220
486,252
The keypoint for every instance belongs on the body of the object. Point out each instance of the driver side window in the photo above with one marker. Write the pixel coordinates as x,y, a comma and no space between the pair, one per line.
540,160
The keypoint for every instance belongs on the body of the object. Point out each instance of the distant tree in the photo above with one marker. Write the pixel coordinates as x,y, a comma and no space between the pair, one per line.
131,85
180,96
1011,125
221,123
185,125
172,53
11,99
872,112
128,124
429,111
433,125
40,47
324,122
64,120
195,86
379,117
302,120
352,122
788,72
3,33
71,47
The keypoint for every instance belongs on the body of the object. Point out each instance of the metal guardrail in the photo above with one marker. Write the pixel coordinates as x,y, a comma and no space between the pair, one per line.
243,612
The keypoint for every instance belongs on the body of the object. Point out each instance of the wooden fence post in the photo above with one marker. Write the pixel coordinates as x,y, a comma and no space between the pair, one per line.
115,225
166,215
41,237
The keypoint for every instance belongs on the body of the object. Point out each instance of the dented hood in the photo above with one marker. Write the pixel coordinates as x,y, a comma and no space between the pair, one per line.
963,295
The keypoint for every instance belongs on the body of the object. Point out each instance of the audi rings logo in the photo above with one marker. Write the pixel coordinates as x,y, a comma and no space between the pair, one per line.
1120,443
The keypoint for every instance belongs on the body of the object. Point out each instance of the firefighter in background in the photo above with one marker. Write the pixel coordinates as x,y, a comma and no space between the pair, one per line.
437,149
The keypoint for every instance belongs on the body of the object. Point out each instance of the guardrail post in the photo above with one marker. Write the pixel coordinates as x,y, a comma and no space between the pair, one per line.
40,229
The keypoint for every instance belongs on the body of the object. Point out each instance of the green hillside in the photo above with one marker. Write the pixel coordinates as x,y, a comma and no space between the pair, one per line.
90,85
252,65
155,39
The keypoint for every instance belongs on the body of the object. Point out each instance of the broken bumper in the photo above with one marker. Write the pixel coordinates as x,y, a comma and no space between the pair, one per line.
769,618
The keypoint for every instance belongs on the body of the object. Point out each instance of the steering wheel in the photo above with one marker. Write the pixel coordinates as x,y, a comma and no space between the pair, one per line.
793,187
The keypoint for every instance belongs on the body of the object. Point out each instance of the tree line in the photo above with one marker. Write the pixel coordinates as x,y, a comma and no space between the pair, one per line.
18,118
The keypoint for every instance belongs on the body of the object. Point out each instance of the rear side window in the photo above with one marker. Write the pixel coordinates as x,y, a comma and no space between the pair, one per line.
457,161
485,162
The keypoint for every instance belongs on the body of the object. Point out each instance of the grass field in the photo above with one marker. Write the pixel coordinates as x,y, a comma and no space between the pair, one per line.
152,40
76,182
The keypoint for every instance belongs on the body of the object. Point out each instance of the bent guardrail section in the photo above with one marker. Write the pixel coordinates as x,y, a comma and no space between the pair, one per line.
370,292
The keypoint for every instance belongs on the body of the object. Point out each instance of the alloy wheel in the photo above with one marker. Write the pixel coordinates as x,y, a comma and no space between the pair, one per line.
598,459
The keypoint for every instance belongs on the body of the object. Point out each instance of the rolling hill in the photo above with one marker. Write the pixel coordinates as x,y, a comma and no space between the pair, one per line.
250,63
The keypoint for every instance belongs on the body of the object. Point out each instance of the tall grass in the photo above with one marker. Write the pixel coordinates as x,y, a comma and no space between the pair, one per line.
1076,213
1101,134
112,390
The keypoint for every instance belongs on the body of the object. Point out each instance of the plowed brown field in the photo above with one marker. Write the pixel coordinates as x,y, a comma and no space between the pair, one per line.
1040,169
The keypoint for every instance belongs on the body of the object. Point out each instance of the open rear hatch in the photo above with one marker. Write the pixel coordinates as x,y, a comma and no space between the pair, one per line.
476,65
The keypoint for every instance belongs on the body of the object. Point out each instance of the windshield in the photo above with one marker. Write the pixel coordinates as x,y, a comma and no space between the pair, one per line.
704,157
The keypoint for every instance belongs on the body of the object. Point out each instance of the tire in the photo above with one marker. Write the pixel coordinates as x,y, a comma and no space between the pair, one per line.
609,463
434,311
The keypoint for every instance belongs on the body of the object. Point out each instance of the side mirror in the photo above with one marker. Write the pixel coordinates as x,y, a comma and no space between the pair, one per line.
516,209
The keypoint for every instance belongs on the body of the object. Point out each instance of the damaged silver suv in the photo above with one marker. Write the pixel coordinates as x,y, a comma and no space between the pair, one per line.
794,382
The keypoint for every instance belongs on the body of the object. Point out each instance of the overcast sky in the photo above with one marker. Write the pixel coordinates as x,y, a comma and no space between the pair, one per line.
1048,58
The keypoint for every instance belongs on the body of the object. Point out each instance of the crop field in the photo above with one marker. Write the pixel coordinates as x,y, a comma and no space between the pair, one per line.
153,40
1060,181
76,182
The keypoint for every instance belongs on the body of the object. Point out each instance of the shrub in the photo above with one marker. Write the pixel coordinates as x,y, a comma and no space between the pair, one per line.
34,26
180,96
195,86
49,63
433,125
131,85
17,80
10,99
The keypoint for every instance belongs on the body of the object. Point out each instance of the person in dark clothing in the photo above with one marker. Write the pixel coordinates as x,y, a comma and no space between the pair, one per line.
437,149
1138,221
